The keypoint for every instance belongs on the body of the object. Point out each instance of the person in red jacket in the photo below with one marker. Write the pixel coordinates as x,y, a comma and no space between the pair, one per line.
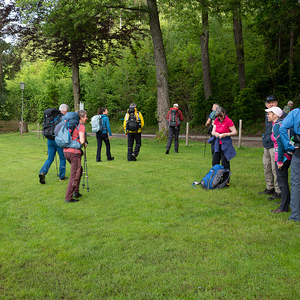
174,118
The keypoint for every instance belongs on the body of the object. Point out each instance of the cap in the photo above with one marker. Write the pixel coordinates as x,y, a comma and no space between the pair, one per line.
276,110
271,98
132,105
175,105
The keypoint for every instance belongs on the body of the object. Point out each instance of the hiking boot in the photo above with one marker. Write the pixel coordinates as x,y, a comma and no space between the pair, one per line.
266,191
133,157
77,195
274,196
167,152
99,160
71,201
176,151
42,178
277,211
112,158
62,179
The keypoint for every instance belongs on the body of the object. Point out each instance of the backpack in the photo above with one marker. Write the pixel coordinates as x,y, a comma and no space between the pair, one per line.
132,124
174,119
214,178
64,129
52,117
97,124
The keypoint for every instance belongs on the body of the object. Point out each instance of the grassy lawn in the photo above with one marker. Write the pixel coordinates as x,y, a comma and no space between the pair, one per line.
142,231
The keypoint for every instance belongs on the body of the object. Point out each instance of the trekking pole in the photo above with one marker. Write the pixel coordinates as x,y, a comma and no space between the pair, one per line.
205,143
56,165
83,174
86,172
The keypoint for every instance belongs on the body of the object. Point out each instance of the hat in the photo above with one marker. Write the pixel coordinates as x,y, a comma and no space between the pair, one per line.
276,110
175,105
271,98
132,105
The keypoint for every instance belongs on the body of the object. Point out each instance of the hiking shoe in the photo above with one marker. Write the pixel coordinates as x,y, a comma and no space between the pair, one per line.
71,201
277,211
266,191
62,179
133,157
167,152
274,196
77,195
112,158
42,178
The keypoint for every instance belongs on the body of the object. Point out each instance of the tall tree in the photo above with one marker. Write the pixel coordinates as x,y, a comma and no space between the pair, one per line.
75,32
204,39
163,103
239,42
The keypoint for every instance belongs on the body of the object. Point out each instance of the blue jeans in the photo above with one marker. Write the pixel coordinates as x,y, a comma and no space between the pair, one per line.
52,149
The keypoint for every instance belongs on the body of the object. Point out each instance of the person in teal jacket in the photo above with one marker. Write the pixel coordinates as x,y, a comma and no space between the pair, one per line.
103,136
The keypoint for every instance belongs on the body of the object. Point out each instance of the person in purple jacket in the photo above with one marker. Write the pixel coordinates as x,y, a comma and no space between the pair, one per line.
282,159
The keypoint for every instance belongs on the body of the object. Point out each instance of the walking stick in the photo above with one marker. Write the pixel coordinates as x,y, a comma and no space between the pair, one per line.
56,165
85,173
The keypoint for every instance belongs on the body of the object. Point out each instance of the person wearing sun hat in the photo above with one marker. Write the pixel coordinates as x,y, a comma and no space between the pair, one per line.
272,187
281,157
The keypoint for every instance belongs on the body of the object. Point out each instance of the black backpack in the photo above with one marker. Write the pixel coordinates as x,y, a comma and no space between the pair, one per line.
52,118
174,119
132,124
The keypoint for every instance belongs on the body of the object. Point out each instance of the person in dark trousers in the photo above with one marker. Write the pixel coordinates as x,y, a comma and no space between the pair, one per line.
272,187
174,129
282,160
103,136
292,121
52,149
223,129
133,124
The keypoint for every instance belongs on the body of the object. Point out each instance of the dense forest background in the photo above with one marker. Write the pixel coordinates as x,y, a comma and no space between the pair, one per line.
270,35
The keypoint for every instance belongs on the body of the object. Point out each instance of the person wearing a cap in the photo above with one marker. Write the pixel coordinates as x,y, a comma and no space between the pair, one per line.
272,187
135,135
282,159
292,121
174,131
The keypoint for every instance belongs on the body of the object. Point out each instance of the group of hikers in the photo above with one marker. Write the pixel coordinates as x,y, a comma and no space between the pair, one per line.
281,142
281,147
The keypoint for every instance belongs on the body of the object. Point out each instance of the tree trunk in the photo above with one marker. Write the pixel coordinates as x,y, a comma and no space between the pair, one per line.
292,42
75,81
239,45
163,103
204,39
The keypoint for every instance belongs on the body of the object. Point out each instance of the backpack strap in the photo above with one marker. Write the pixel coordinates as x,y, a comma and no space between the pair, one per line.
220,186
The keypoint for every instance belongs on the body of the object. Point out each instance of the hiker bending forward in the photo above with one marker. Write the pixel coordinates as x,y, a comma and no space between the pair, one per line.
223,129
73,156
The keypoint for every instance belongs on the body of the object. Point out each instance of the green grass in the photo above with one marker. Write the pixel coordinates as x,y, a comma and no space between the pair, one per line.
142,231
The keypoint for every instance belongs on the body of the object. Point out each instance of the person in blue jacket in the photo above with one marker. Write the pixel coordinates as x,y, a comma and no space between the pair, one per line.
292,121
103,136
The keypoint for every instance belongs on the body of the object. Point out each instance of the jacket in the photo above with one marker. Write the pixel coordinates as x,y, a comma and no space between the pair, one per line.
106,125
226,146
292,120
139,117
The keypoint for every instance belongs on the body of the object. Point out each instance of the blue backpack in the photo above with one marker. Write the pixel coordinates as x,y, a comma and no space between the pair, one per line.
214,178
63,131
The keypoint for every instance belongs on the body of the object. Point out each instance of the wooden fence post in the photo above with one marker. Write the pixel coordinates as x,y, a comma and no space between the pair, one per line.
187,134
240,133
